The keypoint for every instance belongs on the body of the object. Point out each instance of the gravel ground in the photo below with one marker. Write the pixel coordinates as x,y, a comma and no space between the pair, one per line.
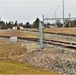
59,60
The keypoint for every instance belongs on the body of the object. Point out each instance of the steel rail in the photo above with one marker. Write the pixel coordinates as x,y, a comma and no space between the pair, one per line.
52,42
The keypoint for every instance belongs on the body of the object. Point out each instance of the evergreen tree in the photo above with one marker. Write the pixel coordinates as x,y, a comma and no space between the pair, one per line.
2,25
36,23
16,23
66,22
74,23
28,25
21,24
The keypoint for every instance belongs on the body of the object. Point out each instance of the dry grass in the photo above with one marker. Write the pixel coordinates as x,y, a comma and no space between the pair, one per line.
29,35
61,30
17,33
15,50
8,49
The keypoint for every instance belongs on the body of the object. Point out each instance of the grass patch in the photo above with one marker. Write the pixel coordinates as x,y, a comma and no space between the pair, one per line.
9,49
10,67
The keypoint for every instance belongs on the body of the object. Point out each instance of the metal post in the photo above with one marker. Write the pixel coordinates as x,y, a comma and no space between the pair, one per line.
69,21
43,31
56,15
70,27
55,18
0,18
41,35
63,11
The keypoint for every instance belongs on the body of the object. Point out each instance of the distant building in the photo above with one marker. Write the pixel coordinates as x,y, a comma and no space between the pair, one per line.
18,27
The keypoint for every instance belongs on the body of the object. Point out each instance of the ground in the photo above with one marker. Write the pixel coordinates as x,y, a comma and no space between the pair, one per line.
11,52
19,54
11,67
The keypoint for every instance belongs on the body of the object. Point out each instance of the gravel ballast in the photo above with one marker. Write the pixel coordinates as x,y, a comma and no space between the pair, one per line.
60,60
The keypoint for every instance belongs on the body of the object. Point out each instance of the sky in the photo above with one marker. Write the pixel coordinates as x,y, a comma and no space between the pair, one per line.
28,10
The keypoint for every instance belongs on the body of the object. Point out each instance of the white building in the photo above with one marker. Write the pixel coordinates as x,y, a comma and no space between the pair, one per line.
18,27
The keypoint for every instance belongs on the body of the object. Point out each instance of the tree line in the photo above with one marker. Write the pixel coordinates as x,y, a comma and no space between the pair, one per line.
10,24
59,24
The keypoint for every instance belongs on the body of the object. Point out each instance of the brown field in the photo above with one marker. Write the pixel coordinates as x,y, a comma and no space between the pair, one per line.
61,30
30,35
17,33
11,49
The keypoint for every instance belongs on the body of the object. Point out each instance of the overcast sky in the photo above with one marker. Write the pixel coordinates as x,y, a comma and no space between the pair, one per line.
28,10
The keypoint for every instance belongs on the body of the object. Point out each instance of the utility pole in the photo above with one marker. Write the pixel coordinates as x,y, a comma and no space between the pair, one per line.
55,18
43,31
0,18
70,27
69,21
56,15
41,35
63,10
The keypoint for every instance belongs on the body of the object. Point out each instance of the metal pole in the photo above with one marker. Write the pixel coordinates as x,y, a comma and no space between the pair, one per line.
69,21
63,11
0,18
41,35
70,27
55,17
43,31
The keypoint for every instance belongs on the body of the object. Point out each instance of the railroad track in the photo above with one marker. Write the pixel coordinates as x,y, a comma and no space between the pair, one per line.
73,35
52,42
62,44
